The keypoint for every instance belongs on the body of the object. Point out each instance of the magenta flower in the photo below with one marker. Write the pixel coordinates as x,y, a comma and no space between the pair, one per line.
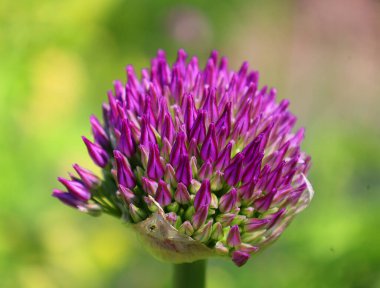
202,162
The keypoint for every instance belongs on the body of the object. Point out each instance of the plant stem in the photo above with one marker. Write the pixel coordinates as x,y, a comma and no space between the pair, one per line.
190,275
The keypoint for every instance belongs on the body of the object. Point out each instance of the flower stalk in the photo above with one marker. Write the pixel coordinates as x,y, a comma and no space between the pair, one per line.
190,275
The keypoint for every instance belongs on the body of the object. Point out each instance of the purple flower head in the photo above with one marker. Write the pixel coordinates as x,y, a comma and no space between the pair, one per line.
196,152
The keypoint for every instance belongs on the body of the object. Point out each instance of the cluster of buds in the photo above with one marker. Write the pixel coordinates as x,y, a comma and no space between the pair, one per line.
201,162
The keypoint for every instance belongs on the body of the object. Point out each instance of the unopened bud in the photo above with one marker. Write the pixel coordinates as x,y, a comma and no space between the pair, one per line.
204,232
186,228
136,213
217,232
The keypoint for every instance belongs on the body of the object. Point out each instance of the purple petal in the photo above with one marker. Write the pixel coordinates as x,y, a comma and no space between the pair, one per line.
240,258
190,112
200,216
205,172
203,196
169,175
76,188
254,224
97,153
252,149
126,144
275,177
68,199
88,178
209,148
233,237
193,148
198,131
224,157
125,175
275,217
155,169
263,204
228,201
126,193
147,134
149,186
232,173
252,170
181,195
224,120
99,133
183,173
210,105
168,131
163,195
178,149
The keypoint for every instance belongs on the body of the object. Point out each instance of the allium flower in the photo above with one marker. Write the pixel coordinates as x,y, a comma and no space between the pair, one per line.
201,162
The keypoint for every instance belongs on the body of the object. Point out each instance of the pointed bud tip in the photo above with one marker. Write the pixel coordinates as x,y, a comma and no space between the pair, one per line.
240,258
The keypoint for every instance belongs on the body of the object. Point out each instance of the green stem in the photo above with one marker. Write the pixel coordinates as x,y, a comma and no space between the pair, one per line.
190,275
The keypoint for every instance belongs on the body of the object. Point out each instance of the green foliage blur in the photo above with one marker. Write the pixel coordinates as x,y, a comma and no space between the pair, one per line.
58,59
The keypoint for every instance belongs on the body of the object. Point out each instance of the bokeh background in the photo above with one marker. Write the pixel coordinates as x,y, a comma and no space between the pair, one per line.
58,59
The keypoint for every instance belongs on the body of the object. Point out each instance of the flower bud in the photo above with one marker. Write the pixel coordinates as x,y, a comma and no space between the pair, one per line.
233,237
217,232
228,201
163,195
155,169
88,178
203,233
181,195
169,175
240,258
221,249
125,175
136,213
203,196
97,153
76,188
200,216
186,228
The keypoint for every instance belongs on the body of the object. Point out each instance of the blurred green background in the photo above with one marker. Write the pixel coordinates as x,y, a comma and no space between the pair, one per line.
58,59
